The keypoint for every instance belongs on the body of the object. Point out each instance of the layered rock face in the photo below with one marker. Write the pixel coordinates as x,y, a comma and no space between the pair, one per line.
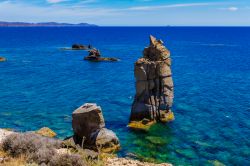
154,85
89,129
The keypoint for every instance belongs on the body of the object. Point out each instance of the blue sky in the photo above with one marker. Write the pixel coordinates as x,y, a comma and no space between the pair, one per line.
130,12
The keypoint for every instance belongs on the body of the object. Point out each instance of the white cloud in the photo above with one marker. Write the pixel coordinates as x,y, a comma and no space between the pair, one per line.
11,10
56,1
233,9
170,6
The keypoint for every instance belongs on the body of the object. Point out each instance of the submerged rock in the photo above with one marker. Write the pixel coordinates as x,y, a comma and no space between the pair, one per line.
156,140
154,85
2,59
216,163
89,129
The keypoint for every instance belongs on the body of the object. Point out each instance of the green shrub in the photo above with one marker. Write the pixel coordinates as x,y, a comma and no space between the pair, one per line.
28,144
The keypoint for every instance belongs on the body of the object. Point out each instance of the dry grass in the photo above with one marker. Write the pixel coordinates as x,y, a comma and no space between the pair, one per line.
22,148
9,161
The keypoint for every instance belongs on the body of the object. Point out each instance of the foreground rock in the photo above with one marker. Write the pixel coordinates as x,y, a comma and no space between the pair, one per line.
89,129
4,133
130,162
2,59
154,87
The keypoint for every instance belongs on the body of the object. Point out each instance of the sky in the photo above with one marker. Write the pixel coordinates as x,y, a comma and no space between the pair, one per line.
129,12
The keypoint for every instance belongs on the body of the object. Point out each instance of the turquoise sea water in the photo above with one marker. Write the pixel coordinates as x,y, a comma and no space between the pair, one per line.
40,85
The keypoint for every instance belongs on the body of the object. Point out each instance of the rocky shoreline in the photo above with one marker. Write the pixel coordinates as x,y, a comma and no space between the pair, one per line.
92,157
91,144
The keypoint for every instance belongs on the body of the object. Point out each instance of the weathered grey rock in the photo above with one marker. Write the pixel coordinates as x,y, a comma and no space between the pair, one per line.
87,119
107,141
154,84
89,130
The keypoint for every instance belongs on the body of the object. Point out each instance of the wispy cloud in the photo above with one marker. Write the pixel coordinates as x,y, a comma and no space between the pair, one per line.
231,9
55,1
98,12
181,5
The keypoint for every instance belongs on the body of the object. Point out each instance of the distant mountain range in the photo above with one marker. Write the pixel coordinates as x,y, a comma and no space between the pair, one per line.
43,24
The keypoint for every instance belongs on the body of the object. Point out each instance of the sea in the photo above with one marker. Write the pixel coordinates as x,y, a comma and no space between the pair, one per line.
41,85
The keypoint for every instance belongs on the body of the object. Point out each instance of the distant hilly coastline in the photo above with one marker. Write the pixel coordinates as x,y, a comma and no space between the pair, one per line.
43,24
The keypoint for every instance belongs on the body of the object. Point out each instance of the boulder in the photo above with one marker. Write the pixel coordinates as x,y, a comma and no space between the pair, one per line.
107,141
87,120
89,130
2,59
154,86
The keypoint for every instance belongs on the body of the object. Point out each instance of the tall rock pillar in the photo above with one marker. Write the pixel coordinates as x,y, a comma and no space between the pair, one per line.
154,87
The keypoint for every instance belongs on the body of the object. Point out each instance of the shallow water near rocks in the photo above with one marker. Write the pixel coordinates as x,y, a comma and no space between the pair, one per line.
41,85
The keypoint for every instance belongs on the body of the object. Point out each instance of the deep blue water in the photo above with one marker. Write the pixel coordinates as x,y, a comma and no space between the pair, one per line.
40,85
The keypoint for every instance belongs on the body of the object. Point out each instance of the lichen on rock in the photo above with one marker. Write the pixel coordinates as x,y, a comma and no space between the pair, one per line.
46,132
154,86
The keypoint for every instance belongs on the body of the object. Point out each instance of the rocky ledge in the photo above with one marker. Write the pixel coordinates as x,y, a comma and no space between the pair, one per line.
154,87
2,59
130,162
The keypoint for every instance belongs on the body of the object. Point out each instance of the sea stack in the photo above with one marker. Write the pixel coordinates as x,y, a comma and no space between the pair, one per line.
154,87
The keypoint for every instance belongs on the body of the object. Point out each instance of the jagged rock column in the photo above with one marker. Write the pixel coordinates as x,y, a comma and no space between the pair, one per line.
154,86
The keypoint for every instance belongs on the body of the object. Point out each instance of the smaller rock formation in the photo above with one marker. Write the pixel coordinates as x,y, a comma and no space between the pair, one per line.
2,59
81,47
89,129
95,55
154,87
46,132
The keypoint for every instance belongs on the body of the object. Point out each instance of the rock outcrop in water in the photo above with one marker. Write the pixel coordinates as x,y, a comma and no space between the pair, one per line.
80,47
2,59
89,129
154,87
95,55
